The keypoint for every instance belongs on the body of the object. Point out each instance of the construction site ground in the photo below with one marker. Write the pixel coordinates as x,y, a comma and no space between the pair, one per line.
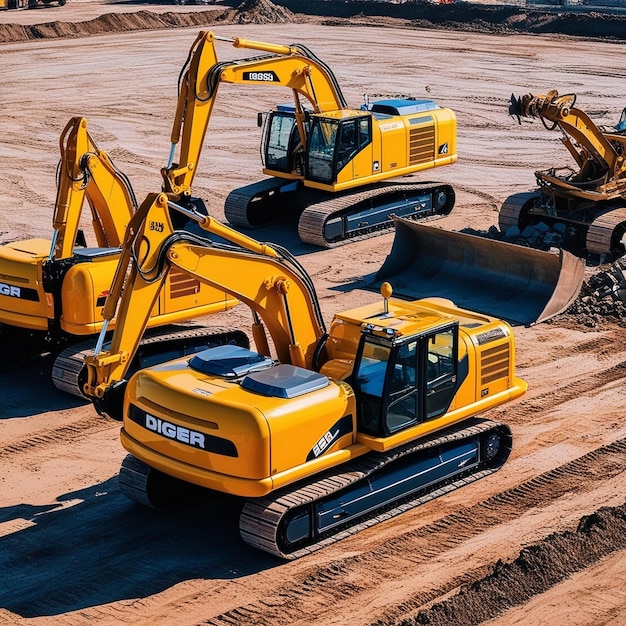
541,541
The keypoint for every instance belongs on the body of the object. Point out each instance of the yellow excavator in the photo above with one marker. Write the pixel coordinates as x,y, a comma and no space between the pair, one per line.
52,291
589,200
320,431
329,165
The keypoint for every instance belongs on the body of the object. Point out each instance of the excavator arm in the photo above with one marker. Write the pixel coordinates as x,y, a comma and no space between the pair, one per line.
591,148
294,67
87,173
268,279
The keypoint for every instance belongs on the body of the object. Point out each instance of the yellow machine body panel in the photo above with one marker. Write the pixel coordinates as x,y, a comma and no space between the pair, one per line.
485,342
23,301
229,438
25,304
86,285
401,144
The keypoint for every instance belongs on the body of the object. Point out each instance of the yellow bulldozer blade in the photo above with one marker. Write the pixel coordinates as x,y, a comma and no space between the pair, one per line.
518,284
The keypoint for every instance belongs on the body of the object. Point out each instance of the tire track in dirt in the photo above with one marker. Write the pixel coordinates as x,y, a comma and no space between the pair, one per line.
593,384
55,436
336,580
324,584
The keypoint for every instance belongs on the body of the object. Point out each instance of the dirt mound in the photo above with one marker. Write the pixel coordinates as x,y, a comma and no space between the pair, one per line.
105,24
472,17
601,299
257,12
248,12
536,569
413,14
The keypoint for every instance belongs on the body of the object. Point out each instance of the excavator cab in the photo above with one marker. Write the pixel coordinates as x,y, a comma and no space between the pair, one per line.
282,147
333,143
328,144
402,381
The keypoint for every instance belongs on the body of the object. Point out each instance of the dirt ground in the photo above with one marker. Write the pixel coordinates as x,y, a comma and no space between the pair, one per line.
541,541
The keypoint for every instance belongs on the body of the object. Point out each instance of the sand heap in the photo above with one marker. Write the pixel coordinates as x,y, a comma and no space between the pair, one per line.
258,12
459,16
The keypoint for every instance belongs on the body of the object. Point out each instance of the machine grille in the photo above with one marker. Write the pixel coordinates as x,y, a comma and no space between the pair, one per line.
181,284
494,363
421,144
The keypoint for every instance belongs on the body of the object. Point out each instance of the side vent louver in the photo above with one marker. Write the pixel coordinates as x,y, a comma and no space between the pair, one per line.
421,144
182,284
494,363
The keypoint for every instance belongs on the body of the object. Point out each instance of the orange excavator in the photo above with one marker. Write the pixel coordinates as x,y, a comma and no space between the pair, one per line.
329,165
320,431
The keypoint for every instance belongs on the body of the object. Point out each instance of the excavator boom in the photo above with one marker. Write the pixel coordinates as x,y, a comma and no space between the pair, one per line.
286,292
87,173
591,141
293,67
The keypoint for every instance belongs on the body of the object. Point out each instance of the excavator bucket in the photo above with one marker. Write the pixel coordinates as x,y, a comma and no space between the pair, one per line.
520,285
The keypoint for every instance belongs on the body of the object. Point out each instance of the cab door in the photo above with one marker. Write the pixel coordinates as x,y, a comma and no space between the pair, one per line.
441,365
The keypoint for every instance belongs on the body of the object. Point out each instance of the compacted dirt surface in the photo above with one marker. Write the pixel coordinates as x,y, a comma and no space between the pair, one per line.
541,541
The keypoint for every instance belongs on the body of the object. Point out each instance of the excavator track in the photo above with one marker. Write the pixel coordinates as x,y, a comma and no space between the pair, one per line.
327,508
514,210
603,235
606,231
258,204
69,373
151,488
344,218
329,221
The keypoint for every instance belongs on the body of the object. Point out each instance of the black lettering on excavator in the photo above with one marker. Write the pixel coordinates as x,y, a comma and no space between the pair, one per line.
158,227
340,428
182,434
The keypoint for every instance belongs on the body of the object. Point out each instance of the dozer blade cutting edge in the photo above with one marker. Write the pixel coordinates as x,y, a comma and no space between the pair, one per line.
521,285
